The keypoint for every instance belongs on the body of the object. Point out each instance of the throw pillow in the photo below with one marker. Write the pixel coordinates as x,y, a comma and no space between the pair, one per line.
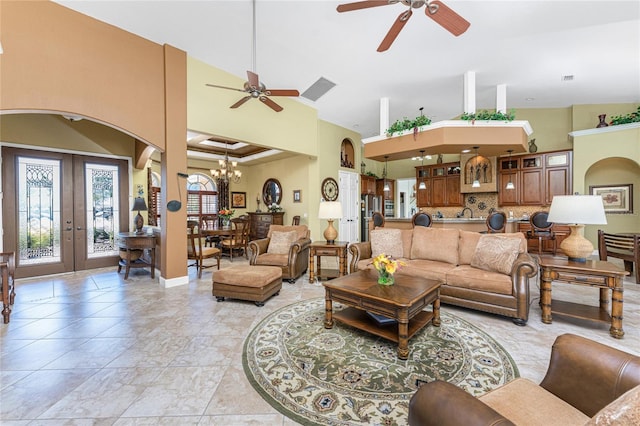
623,411
281,242
387,241
495,253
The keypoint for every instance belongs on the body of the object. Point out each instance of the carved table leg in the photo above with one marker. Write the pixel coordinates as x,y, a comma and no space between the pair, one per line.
328,312
616,310
436,311
546,277
403,334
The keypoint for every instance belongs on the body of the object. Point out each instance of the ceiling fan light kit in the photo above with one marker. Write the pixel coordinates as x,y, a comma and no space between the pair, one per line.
436,10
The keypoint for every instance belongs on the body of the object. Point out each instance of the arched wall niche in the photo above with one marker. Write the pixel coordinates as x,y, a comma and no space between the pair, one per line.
615,171
347,154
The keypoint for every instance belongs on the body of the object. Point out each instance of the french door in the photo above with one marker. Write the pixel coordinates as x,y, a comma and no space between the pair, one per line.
62,212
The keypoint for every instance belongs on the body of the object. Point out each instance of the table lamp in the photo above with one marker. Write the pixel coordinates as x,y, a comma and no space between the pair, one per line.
138,221
330,210
577,211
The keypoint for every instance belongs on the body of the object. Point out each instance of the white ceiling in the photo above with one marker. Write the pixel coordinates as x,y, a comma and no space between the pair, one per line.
527,45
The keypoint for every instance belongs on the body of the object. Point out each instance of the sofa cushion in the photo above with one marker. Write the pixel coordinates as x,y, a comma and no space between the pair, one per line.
625,410
281,242
271,259
407,236
466,276
435,244
386,241
495,253
430,269
302,231
525,403
467,246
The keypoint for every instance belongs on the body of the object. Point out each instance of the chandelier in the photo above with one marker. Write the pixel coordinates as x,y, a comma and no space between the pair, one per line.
227,171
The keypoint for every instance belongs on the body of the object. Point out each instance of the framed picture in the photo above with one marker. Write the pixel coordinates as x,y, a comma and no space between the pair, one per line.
297,197
616,198
238,200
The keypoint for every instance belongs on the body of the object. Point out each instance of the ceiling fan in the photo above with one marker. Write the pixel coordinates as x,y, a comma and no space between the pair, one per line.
253,87
436,10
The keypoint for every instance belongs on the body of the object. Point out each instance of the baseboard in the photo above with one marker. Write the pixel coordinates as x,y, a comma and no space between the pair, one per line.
173,282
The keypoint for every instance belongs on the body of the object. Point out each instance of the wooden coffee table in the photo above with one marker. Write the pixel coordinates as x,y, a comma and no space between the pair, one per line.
404,302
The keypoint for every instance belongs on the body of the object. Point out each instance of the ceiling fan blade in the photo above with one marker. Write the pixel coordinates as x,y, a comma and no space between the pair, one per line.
361,5
254,81
446,17
274,106
282,92
225,87
395,30
240,102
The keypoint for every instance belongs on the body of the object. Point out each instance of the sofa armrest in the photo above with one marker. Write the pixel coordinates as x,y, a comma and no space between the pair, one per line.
258,247
589,375
358,251
440,403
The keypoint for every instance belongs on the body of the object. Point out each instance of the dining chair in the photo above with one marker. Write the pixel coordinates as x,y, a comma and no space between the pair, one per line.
296,220
421,219
541,229
196,250
496,223
238,240
209,222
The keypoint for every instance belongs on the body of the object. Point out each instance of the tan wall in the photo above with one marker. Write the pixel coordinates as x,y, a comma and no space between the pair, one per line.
56,59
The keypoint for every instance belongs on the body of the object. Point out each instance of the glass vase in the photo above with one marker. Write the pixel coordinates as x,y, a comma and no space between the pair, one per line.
226,223
385,278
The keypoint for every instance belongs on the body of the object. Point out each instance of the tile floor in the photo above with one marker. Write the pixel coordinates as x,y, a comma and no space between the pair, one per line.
90,348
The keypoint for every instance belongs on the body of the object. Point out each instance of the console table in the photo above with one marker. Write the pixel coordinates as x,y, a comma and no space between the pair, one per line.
592,273
130,242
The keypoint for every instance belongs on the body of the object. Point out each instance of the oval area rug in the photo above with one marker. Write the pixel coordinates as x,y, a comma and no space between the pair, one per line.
344,376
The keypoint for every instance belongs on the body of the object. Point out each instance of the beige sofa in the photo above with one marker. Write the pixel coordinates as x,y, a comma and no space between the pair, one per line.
487,272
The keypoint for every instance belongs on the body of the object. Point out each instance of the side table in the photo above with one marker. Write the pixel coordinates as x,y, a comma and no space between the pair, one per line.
593,273
130,241
318,249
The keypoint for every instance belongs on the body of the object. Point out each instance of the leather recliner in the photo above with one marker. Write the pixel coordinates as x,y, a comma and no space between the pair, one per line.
294,263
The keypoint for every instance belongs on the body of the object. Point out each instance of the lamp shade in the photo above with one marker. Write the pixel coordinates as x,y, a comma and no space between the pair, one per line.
330,210
581,209
139,204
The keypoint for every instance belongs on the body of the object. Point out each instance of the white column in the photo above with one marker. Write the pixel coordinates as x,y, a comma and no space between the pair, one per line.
470,92
501,98
384,115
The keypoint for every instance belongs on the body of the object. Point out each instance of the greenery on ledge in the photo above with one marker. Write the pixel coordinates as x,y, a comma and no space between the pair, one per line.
632,117
489,115
401,125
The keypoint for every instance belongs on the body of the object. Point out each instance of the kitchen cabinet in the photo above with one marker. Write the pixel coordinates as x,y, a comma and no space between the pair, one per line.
259,223
443,185
386,195
537,178
367,185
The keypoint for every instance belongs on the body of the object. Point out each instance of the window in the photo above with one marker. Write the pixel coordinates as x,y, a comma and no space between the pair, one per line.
202,197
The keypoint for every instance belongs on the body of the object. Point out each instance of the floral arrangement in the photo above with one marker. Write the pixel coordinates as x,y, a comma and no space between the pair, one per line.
401,125
274,208
386,267
226,214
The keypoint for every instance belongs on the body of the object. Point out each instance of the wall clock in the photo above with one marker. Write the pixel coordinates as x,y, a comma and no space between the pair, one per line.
330,189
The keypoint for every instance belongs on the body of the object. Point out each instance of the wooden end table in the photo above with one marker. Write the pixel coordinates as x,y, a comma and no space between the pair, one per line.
318,249
129,241
592,273
404,302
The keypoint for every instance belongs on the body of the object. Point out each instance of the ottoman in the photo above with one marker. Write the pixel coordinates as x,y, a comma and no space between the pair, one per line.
247,282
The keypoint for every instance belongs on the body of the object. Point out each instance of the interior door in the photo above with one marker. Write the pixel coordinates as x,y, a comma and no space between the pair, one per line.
350,200
62,212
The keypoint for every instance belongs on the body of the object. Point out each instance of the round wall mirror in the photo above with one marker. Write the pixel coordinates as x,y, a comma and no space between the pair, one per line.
271,192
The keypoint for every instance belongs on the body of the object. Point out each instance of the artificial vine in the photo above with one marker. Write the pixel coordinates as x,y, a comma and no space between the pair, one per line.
489,115
401,125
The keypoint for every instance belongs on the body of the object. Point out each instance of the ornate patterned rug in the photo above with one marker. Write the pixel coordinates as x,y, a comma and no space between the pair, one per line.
345,376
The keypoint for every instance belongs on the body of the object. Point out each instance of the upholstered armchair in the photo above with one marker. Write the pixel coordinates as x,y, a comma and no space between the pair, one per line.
285,246
587,383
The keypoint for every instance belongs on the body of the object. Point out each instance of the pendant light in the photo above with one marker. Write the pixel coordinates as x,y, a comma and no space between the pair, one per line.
422,184
510,184
386,187
476,182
